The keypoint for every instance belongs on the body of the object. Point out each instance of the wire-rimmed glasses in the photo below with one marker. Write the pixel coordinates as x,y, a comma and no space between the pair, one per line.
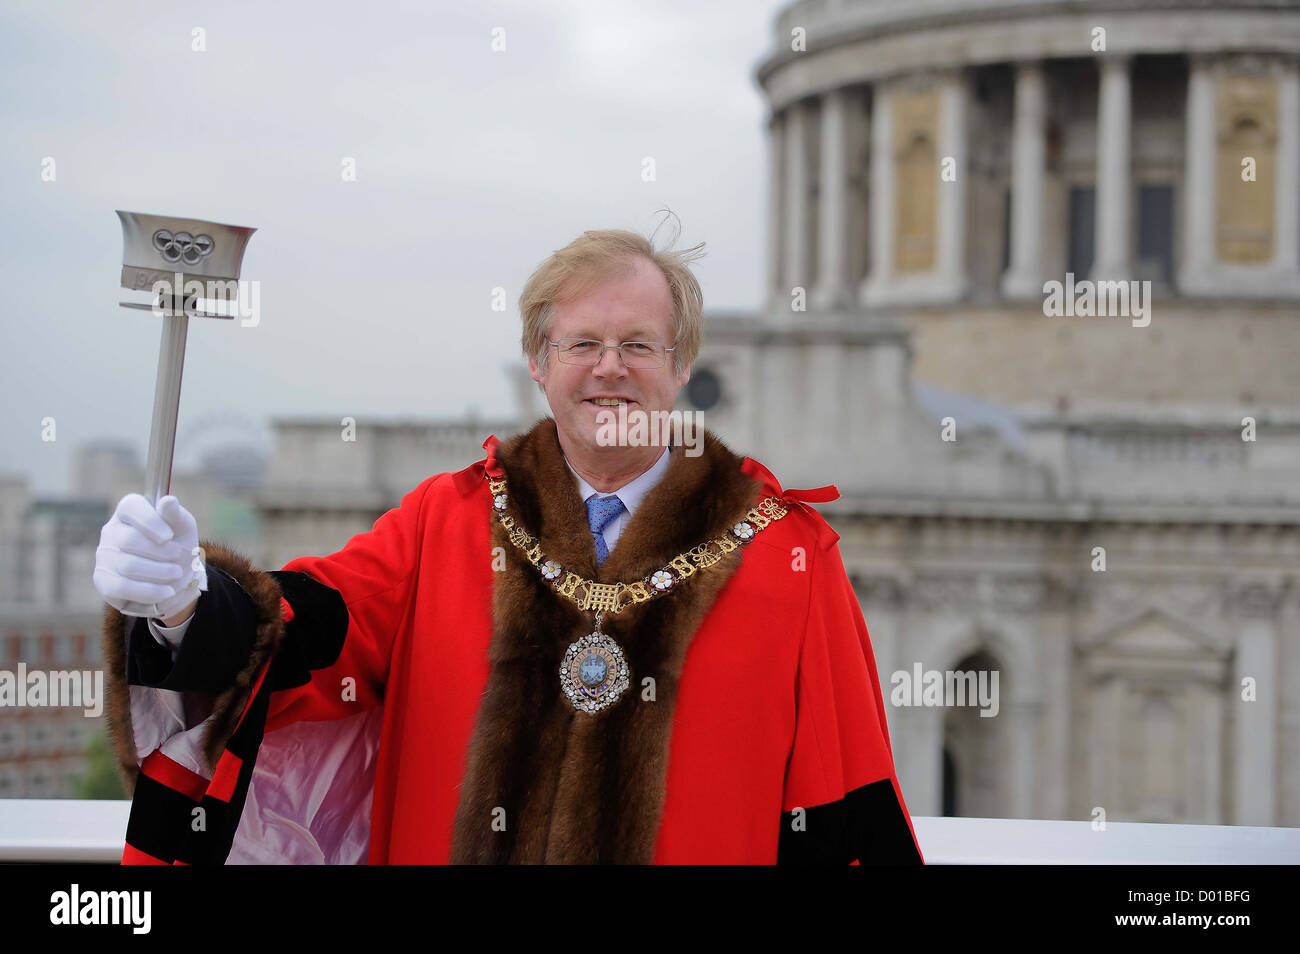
588,352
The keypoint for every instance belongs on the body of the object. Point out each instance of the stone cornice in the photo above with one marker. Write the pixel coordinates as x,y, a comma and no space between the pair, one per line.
829,22
843,52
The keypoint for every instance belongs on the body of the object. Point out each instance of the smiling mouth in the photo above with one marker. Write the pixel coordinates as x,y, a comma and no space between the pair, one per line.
607,402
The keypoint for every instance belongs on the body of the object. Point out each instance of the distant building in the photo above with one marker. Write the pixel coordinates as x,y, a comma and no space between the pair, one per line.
42,749
932,167
51,615
101,467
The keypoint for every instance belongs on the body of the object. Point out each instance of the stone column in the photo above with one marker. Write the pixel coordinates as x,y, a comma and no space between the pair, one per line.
1024,717
833,240
1112,258
1286,245
775,189
950,263
796,204
1210,702
881,602
1255,775
880,273
1023,278
923,760
1198,177
1106,710
1057,764
1288,623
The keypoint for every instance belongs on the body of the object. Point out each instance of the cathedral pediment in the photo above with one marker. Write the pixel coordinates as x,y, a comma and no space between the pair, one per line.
1154,644
1154,632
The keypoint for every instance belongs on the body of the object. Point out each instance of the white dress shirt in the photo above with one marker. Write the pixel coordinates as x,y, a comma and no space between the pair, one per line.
631,493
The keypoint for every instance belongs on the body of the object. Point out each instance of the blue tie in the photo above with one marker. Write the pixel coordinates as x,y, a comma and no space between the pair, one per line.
601,512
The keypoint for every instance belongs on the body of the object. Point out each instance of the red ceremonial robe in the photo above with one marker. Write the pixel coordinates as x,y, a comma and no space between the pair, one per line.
400,700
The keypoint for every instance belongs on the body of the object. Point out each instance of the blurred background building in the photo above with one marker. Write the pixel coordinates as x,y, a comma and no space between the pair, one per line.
51,614
1106,514
933,165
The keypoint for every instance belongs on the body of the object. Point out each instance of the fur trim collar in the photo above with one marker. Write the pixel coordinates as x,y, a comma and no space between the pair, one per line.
573,787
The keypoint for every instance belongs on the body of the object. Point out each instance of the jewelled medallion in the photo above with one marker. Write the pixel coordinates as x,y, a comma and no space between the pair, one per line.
593,673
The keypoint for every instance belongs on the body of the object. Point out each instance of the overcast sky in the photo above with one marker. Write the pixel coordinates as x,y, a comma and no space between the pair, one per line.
472,166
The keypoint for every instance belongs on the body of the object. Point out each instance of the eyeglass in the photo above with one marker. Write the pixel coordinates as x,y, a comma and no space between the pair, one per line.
588,352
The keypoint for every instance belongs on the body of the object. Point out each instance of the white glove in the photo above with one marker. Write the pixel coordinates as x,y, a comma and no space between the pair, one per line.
148,561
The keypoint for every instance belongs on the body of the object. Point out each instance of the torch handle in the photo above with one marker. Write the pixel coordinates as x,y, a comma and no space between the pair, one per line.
162,434
166,405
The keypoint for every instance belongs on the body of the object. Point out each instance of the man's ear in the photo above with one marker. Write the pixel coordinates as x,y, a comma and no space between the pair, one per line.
534,370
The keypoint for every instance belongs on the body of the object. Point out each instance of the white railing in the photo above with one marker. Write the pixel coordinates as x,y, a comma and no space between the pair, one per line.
62,829
72,830
1015,841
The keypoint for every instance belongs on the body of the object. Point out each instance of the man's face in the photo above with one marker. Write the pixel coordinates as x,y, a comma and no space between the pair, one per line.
632,307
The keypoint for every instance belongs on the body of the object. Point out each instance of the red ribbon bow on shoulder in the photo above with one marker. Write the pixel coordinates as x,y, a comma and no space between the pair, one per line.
814,494
809,495
490,466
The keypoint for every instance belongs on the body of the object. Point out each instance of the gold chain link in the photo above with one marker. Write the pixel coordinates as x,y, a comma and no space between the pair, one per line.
611,598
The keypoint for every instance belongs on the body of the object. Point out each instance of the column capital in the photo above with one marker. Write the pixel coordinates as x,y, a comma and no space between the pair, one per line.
1030,64
1256,599
1250,63
928,78
1114,61
837,93
957,72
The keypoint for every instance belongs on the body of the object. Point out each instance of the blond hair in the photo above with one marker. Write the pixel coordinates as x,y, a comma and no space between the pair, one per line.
595,256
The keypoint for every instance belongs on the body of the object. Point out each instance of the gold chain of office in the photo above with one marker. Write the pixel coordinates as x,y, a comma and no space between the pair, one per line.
610,598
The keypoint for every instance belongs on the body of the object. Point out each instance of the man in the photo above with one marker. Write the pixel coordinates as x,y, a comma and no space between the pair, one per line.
571,651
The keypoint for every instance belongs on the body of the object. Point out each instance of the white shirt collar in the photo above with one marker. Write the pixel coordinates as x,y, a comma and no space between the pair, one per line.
634,491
